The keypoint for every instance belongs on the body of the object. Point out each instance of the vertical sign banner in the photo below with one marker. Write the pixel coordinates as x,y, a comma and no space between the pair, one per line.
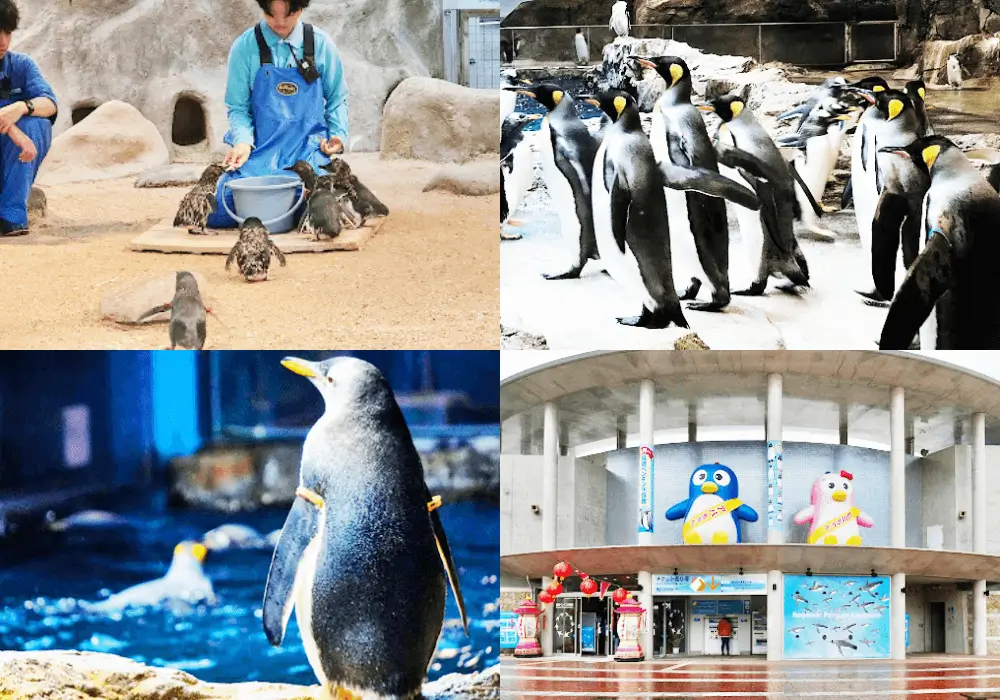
774,498
836,617
508,630
645,489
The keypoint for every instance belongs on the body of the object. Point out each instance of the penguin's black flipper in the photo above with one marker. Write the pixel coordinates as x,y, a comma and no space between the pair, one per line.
734,157
769,217
299,530
848,196
449,564
155,310
994,177
926,281
708,182
890,212
805,190
277,252
620,203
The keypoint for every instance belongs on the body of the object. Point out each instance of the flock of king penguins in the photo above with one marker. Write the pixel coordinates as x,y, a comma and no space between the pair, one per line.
653,209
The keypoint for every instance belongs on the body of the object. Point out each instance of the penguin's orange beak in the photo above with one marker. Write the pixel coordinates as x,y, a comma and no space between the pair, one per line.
839,496
709,488
301,367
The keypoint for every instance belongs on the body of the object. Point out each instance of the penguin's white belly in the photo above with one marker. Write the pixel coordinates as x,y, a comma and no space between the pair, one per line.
622,267
522,174
305,576
751,230
848,529
722,523
684,260
864,193
561,194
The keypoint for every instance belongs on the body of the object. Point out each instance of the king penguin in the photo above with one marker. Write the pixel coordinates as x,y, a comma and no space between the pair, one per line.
950,295
517,170
699,229
360,555
917,92
567,151
768,236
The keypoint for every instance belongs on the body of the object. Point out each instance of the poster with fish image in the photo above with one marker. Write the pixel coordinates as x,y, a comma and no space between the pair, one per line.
836,617
774,500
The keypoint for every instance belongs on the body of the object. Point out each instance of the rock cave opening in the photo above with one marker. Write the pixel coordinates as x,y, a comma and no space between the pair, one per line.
189,124
82,111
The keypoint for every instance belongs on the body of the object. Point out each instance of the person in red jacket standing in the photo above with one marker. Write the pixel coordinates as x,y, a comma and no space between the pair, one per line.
725,630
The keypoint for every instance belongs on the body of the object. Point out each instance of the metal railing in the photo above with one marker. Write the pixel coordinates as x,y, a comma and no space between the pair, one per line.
799,43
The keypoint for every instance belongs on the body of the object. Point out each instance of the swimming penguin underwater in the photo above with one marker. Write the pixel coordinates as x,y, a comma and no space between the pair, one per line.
187,314
516,168
362,516
699,227
768,237
950,295
631,219
900,186
567,151
184,583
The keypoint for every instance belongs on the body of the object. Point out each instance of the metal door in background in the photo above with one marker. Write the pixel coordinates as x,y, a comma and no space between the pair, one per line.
482,52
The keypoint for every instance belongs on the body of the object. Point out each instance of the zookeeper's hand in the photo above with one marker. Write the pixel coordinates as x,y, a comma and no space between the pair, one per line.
237,156
27,146
10,114
331,146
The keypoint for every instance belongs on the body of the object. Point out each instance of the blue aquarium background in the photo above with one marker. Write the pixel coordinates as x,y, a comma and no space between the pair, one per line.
82,430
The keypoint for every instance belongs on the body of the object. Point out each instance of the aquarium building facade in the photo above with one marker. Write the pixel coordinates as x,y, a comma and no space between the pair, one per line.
829,504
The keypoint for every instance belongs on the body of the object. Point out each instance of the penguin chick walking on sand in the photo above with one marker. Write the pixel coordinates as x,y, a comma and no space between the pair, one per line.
187,314
362,513
252,251
199,203
364,200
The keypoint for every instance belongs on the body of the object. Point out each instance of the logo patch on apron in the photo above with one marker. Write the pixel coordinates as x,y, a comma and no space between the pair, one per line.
287,88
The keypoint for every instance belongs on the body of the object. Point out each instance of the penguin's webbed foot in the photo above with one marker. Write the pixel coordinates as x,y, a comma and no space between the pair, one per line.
631,321
692,290
505,236
716,306
873,298
570,274
756,289
792,288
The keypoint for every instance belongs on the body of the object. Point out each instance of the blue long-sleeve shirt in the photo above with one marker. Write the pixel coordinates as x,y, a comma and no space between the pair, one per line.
244,61
26,81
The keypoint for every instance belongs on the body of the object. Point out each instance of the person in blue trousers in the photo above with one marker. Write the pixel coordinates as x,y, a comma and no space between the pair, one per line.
286,96
27,112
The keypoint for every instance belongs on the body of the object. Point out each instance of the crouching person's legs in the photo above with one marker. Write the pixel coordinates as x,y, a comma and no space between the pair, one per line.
31,136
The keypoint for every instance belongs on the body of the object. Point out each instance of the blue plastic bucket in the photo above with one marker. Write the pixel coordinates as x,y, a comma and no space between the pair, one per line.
271,198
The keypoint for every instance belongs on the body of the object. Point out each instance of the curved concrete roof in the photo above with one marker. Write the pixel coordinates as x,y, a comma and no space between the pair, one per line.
925,564
931,383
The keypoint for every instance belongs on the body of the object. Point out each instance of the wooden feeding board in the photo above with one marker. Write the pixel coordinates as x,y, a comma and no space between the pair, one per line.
164,237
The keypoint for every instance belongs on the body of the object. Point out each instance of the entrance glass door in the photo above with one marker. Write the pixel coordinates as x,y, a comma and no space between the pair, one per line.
565,622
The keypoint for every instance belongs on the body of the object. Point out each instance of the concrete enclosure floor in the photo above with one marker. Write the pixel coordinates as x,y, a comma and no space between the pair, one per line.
427,280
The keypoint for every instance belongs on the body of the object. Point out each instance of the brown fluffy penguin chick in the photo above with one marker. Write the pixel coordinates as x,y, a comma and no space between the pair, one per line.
323,215
364,200
187,314
199,203
306,174
252,251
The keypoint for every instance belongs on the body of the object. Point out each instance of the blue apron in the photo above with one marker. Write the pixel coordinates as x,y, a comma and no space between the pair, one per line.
289,123
16,177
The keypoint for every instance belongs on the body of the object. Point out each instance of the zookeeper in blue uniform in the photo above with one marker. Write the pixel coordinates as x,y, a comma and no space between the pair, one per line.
27,112
286,97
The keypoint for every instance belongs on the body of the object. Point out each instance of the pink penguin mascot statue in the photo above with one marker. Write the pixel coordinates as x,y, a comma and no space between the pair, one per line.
833,517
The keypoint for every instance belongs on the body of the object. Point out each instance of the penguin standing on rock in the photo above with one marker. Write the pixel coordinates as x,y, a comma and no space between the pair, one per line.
567,151
199,203
699,229
517,170
187,314
252,251
950,295
768,237
362,517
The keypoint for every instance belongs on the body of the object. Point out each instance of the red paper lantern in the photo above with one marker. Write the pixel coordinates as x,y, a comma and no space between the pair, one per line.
562,570
619,595
588,586
554,589
545,597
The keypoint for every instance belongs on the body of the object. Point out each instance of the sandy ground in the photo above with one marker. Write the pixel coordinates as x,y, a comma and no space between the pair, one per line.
429,279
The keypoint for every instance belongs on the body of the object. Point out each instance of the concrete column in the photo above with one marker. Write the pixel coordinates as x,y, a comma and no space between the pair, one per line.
772,429
546,621
550,475
897,617
646,600
526,441
775,616
843,424
979,483
897,467
693,420
621,432
647,394
979,618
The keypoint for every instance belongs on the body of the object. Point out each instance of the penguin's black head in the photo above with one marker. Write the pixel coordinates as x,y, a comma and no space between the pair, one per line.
923,152
916,90
892,103
867,88
728,107
252,223
211,174
549,96
613,103
671,68
305,172
346,383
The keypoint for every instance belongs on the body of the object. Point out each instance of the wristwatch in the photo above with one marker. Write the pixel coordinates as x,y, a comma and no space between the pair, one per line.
31,107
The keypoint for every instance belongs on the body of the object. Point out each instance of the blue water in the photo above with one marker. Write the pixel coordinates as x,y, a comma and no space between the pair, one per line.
41,581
